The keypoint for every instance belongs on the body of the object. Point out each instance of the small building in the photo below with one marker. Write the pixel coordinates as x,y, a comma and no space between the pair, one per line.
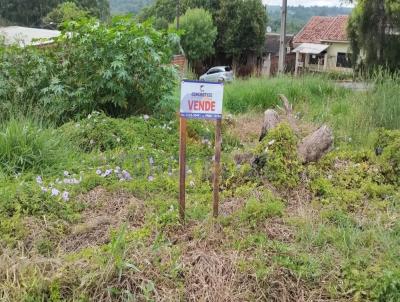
271,54
26,36
323,45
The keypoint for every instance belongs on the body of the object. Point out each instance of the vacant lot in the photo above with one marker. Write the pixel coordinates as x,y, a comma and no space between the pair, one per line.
89,208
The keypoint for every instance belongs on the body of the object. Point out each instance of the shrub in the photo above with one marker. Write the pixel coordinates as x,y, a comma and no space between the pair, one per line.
96,132
25,146
121,68
256,211
277,157
387,144
199,34
23,73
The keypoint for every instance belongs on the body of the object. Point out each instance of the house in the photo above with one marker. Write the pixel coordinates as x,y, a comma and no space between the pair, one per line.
271,53
323,45
24,36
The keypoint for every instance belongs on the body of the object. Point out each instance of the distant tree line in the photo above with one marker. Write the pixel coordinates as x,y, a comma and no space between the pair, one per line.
31,13
128,6
240,27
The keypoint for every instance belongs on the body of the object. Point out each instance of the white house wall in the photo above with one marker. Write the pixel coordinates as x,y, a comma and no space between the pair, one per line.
332,52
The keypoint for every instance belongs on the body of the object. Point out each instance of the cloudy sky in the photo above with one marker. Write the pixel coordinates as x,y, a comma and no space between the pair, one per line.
307,2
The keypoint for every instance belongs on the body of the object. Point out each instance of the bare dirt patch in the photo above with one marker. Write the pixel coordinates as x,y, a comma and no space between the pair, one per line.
105,211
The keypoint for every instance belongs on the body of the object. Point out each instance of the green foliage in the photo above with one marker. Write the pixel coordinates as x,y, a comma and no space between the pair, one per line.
390,142
277,157
121,68
127,6
23,73
259,94
97,132
379,43
389,287
25,146
12,230
199,34
126,73
241,27
351,178
31,13
162,9
256,211
64,12
28,199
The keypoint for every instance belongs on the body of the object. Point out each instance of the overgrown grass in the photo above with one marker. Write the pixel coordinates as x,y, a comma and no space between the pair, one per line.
262,93
294,232
353,115
26,146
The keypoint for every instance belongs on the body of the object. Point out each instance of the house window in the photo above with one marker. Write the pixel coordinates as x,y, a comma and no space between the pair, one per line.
317,59
343,60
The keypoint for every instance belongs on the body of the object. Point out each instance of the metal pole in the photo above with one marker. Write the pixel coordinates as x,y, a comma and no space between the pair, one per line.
282,47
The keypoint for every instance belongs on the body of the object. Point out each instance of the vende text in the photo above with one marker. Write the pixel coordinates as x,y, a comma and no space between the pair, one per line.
202,105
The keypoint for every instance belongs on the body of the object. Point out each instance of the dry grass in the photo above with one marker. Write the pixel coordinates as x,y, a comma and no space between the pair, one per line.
104,211
247,127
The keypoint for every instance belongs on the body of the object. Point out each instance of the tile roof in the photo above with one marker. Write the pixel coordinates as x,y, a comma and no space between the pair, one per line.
323,29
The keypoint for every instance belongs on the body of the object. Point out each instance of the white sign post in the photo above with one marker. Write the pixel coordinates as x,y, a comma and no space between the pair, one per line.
200,100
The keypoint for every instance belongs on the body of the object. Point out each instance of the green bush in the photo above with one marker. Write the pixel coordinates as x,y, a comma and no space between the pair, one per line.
277,157
23,73
120,67
389,287
256,211
387,144
25,146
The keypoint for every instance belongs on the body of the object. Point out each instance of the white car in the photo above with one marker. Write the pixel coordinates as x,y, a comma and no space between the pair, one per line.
218,74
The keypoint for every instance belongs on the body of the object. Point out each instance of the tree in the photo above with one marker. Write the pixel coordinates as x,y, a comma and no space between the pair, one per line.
374,33
31,13
241,28
199,34
166,10
26,12
241,24
67,11
98,8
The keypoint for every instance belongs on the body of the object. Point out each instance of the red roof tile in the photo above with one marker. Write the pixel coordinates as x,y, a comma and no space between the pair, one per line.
323,29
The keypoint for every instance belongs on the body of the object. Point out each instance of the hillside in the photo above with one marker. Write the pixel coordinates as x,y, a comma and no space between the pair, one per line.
297,15
128,6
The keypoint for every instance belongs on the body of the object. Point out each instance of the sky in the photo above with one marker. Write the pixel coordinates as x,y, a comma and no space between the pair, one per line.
307,2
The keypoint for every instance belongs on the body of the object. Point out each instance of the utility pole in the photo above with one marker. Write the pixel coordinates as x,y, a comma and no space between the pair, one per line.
178,4
282,46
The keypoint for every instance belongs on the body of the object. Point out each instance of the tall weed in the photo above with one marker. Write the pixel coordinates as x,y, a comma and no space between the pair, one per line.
26,146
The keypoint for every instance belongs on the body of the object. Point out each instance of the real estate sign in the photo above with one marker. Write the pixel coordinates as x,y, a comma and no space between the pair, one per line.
201,100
